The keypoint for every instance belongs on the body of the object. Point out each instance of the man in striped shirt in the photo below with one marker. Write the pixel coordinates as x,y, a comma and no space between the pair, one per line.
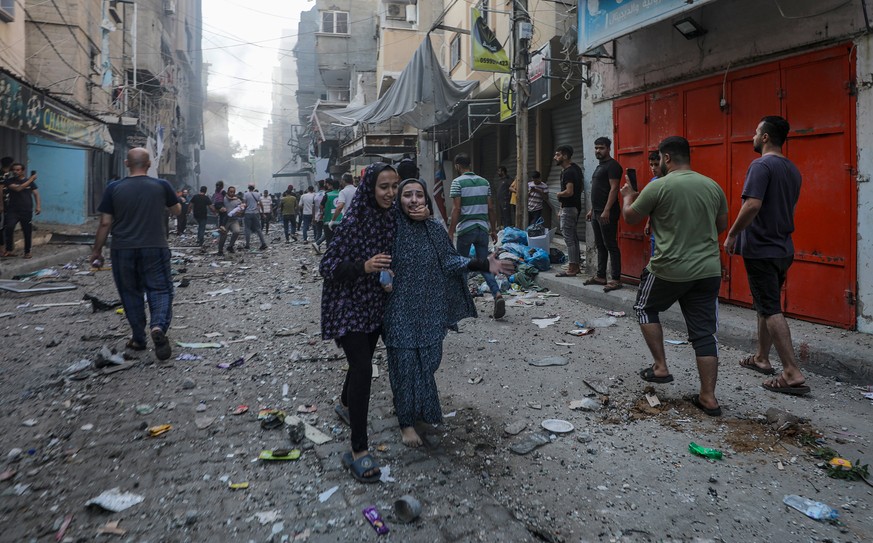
474,218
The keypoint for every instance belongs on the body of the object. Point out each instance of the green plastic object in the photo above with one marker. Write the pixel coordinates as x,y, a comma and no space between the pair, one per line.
694,448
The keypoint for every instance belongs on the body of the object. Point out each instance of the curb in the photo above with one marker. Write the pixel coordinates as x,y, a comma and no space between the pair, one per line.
52,255
842,354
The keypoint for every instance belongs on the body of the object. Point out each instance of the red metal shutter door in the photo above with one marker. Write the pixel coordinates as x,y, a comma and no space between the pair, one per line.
630,151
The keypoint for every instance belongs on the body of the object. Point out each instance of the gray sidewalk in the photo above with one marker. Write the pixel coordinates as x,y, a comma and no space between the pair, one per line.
843,354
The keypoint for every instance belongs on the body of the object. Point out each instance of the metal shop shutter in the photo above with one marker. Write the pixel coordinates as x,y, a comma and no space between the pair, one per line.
566,130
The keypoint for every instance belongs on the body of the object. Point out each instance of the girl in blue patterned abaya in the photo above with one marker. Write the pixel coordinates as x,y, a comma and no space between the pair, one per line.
428,296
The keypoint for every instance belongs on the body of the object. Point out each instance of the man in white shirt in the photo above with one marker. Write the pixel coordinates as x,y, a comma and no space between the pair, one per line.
306,207
344,200
252,216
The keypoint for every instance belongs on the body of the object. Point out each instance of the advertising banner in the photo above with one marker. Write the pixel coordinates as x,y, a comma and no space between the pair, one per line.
539,76
32,112
488,53
603,20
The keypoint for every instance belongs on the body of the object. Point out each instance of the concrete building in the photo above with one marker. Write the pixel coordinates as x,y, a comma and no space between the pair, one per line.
77,90
709,71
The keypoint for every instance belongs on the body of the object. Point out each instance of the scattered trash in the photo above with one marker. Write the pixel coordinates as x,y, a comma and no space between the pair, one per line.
29,422
6,475
546,321
535,405
115,500
812,509
675,342
312,433
581,332
515,427
492,341
266,517
407,509
156,431
586,404
101,305
653,400
713,454
213,334
781,420
119,311
238,486
227,365
475,380
64,526
203,422
583,437
271,418
451,414
81,365
324,496
111,528
549,361
188,357
597,385
280,454
144,409
87,427
616,313
557,426
220,292
240,409
564,344
307,408
107,358
375,520
185,345
385,476
529,443
265,307
298,302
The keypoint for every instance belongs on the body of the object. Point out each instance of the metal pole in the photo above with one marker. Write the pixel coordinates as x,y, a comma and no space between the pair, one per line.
521,26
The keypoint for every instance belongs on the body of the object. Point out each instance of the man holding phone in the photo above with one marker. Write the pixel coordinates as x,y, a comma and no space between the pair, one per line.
604,214
21,193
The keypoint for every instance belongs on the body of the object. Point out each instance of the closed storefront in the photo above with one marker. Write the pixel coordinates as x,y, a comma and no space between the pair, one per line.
566,130
718,116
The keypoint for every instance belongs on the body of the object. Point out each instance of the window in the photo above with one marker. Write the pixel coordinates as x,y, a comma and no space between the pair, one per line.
335,22
7,11
455,49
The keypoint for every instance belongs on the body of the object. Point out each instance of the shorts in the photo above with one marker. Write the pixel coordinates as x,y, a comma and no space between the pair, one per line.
698,300
766,277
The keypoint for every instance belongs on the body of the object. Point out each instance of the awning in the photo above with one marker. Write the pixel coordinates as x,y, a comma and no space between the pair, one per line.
423,95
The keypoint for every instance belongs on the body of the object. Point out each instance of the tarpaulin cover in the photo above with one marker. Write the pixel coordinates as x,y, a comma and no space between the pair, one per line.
423,95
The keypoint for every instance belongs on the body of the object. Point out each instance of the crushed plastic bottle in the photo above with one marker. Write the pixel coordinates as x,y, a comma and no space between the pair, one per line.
385,278
812,509
714,454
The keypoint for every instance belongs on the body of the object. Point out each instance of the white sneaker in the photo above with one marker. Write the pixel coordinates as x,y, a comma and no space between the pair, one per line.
317,248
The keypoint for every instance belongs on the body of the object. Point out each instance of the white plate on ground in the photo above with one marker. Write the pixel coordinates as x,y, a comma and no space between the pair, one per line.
557,426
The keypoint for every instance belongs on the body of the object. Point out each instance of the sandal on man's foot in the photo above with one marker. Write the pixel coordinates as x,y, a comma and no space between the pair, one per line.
648,374
711,411
361,466
612,285
749,364
565,274
135,345
343,414
7,254
27,256
162,345
594,281
780,385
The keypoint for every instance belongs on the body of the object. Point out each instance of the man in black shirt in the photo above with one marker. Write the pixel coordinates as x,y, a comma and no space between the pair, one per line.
199,205
570,198
21,194
503,197
604,214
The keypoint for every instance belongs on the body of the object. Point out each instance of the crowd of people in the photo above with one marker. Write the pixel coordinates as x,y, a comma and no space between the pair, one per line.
382,241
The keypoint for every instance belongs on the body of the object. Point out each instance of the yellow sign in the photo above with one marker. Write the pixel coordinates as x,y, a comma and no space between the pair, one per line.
488,53
507,97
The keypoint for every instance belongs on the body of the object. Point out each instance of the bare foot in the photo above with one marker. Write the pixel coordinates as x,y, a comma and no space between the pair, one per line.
410,437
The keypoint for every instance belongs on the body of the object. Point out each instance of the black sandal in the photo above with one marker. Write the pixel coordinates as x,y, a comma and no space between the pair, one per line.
648,374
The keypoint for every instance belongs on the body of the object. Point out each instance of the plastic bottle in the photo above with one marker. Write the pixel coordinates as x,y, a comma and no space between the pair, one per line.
812,509
385,278
703,451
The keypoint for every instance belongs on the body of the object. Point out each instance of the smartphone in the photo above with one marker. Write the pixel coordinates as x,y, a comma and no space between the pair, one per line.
632,178
32,172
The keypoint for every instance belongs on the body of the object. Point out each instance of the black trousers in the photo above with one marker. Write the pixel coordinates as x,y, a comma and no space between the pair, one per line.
359,348
606,240
24,218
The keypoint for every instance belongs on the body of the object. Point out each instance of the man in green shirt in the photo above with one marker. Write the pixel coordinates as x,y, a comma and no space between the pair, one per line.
288,210
688,210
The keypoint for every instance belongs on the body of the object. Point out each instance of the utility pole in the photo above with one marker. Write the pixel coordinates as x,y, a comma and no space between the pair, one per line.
522,31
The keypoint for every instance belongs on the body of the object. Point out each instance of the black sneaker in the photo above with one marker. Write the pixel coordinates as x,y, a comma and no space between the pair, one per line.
163,350
231,250
262,248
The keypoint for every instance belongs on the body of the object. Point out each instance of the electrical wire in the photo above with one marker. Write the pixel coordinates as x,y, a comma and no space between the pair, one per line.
809,15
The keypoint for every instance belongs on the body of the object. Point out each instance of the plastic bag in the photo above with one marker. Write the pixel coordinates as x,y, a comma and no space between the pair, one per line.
537,229
517,249
537,258
514,235
556,256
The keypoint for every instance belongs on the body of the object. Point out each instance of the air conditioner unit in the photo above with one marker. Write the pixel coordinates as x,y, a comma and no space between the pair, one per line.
411,14
170,7
396,12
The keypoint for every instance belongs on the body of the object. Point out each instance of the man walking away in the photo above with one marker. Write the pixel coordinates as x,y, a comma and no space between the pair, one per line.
182,219
761,233
232,208
473,217
570,199
536,196
288,209
328,203
267,213
218,205
306,208
344,200
604,215
318,211
134,209
688,211
199,205
21,193
252,216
